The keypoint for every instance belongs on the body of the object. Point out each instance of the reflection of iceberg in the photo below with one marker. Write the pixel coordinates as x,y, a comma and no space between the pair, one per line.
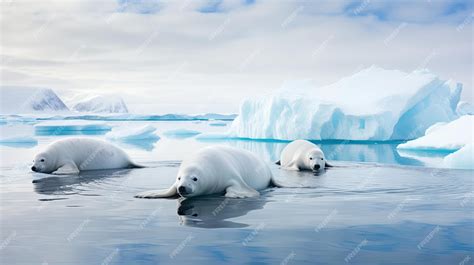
213,212
374,104
181,133
363,151
425,158
146,132
71,128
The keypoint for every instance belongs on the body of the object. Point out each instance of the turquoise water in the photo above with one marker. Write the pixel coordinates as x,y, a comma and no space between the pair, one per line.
376,206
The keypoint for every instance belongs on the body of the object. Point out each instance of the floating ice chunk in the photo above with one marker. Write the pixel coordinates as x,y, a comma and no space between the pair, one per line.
465,108
218,123
146,132
213,136
65,127
462,159
18,140
444,137
23,141
181,133
373,104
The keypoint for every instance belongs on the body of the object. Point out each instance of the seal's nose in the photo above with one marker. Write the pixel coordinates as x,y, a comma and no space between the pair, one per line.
316,167
33,168
182,189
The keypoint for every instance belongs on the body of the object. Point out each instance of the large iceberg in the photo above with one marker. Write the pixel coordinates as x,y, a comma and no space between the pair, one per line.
450,136
15,100
373,104
101,104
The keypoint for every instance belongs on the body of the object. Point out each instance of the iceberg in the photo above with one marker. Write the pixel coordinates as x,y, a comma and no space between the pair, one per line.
448,137
373,104
71,127
465,108
146,132
101,104
461,159
15,100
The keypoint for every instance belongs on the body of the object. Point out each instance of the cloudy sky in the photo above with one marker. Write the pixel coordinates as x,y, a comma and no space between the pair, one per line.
192,56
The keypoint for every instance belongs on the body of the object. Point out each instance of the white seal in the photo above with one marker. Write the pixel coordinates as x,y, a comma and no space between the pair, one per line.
302,155
218,169
72,155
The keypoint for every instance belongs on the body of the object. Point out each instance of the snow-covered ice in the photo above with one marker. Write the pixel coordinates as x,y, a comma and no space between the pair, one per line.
462,159
146,132
373,104
444,136
16,100
101,104
61,126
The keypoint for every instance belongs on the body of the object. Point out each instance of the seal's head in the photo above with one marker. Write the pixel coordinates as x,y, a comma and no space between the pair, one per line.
316,160
189,183
43,163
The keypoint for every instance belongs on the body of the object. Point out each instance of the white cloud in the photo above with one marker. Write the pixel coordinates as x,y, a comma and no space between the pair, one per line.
167,62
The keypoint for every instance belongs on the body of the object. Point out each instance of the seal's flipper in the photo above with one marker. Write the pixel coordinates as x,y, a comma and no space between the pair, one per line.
153,194
328,165
278,162
241,191
69,168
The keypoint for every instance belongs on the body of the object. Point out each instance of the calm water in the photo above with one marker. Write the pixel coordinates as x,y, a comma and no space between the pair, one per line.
388,210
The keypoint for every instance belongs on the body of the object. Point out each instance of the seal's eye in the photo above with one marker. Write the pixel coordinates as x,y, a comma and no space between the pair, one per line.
195,215
195,179
310,158
42,160
179,178
322,158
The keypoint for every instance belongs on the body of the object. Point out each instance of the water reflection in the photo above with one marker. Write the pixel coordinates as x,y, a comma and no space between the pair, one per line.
74,184
213,211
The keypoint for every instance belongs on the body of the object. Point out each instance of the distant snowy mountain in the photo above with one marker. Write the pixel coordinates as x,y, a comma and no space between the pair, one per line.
20,100
373,104
101,104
